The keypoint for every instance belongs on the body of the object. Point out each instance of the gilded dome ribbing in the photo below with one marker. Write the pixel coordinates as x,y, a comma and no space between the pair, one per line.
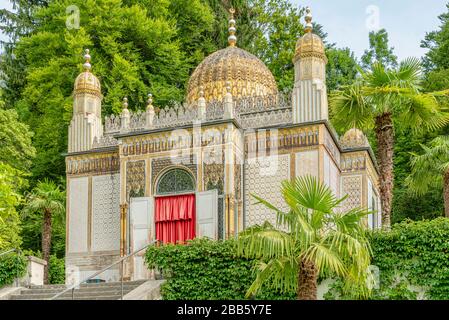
242,71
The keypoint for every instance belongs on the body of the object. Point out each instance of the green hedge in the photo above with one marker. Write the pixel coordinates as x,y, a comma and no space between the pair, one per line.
56,270
413,255
11,265
205,270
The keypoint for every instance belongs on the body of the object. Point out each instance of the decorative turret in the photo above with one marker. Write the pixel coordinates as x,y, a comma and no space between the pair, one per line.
353,139
149,117
309,92
86,122
125,115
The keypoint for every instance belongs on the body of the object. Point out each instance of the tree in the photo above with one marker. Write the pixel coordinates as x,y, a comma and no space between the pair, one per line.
382,99
379,51
342,68
319,240
15,141
47,199
11,183
438,44
431,169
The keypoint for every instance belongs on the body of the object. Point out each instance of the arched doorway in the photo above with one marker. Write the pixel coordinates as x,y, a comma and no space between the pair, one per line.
175,209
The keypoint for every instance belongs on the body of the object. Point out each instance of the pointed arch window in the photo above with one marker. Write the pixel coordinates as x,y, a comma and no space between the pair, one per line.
175,181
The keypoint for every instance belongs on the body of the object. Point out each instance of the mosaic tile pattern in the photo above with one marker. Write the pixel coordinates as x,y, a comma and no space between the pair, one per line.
264,178
106,213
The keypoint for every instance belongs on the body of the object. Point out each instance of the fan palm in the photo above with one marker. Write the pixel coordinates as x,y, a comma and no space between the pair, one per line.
314,238
46,198
431,169
381,99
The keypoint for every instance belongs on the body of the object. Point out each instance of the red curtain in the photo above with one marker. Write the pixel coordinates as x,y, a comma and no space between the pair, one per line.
175,218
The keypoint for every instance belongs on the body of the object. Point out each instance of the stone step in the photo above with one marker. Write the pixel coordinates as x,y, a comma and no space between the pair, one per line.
89,291
68,295
88,285
100,297
126,287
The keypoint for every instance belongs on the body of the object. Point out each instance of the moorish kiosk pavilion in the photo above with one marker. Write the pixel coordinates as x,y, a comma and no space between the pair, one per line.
189,170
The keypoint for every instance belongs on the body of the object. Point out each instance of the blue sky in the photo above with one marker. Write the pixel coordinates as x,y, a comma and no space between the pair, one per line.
406,21
345,21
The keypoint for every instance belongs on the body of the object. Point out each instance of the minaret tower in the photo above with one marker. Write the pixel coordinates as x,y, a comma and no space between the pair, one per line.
86,120
309,93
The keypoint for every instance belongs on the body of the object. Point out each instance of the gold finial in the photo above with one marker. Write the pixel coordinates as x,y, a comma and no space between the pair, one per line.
308,19
125,103
87,66
232,39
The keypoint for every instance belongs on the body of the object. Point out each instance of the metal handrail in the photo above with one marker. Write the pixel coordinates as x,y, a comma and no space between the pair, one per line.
121,260
10,251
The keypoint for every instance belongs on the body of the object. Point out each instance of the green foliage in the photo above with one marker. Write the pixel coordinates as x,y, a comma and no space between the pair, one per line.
429,168
438,44
15,138
206,269
334,242
413,255
383,91
341,69
56,270
379,51
11,266
11,183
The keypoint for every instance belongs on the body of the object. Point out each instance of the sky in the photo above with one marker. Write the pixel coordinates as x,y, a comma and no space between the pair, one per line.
348,22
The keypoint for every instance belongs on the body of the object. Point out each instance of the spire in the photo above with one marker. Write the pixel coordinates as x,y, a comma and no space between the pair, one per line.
308,19
232,39
87,66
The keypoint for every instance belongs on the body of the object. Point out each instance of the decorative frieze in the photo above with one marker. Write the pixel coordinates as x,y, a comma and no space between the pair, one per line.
264,141
104,141
353,162
93,163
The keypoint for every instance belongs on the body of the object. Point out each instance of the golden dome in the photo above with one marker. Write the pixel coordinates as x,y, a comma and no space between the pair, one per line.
354,138
87,82
246,74
242,71
309,45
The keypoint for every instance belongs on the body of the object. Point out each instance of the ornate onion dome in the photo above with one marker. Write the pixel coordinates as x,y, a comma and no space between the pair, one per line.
87,82
246,74
309,45
354,138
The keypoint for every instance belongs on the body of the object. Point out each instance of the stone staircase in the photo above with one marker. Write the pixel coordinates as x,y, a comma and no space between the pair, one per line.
89,291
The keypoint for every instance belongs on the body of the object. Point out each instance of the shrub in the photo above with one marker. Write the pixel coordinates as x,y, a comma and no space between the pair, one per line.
206,270
414,254
11,266
56,270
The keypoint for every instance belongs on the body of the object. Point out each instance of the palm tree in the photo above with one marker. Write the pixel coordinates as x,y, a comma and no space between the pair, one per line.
431,169
314,238
46,198
383,98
